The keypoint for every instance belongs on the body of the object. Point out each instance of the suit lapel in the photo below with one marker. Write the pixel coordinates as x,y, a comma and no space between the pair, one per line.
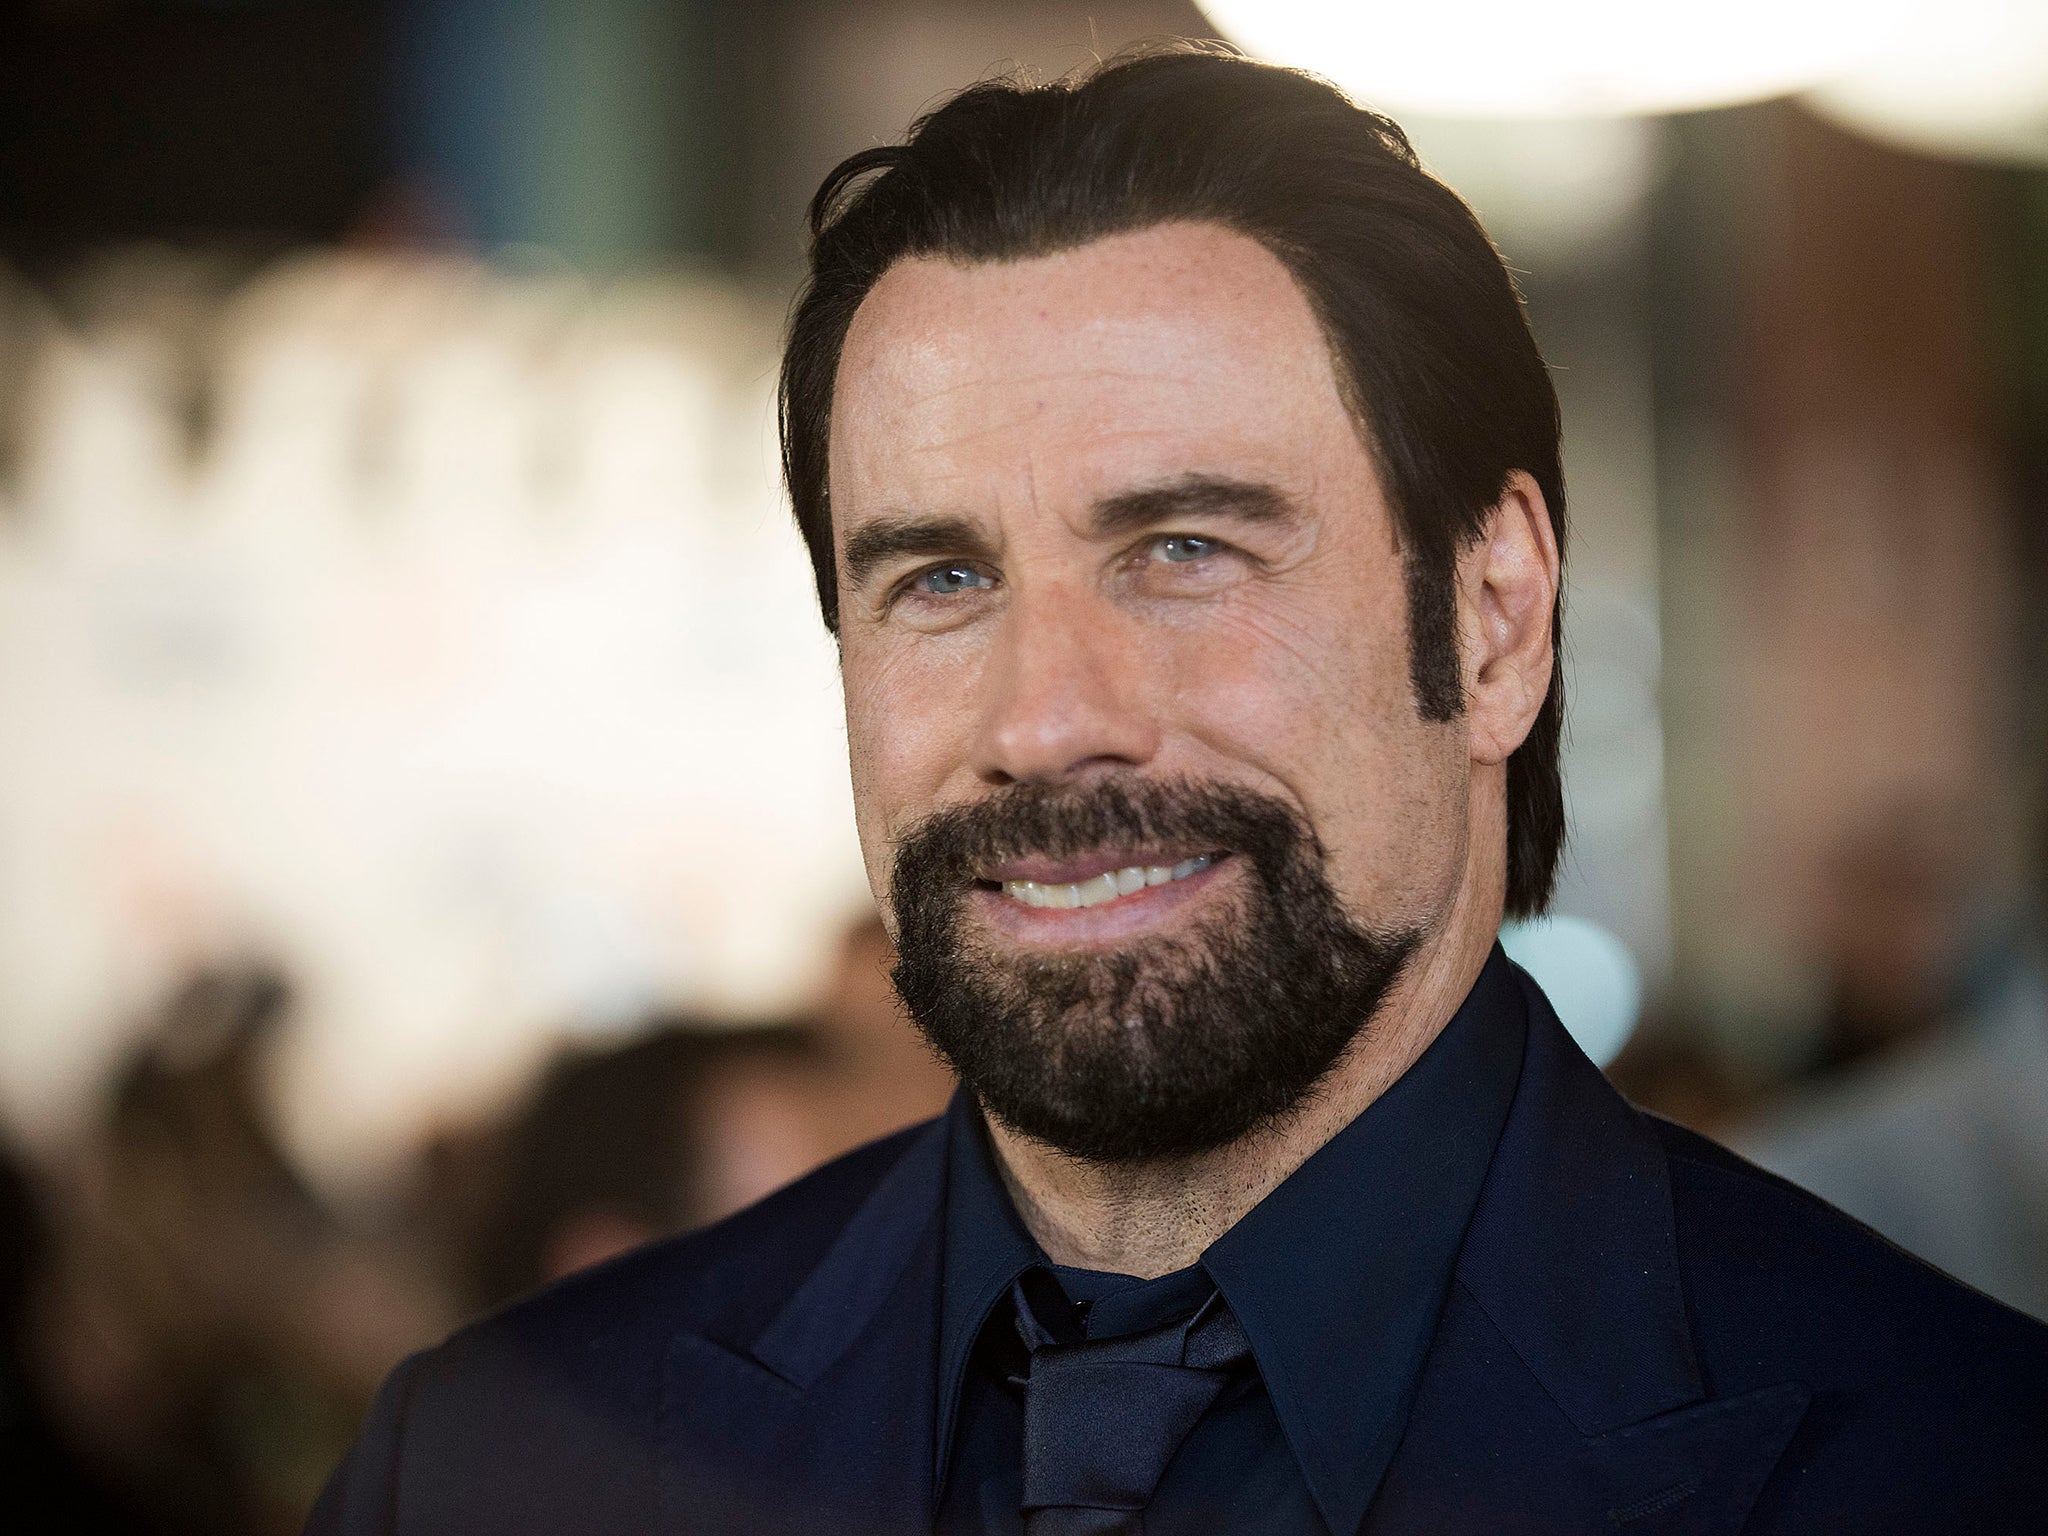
822,1424
1562,1392
1697,1470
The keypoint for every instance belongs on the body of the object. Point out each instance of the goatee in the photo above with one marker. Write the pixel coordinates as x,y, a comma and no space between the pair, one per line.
1160,1047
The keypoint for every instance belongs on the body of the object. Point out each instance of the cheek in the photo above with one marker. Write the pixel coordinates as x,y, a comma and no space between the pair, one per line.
1318,697
1303,680
907,724
1397,826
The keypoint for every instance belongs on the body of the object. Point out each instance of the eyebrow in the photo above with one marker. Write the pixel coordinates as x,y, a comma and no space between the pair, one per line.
1193,496
877,543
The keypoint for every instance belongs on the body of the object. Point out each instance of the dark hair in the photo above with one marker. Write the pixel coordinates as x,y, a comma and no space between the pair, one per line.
1424,322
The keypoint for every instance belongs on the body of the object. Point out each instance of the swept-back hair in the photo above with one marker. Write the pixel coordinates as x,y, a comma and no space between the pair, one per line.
1425,326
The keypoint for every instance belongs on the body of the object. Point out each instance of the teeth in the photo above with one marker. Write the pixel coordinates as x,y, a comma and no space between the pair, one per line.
1093,893
1104,887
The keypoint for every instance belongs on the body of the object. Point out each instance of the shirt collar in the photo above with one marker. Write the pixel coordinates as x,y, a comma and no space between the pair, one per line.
986,1249
1336,1277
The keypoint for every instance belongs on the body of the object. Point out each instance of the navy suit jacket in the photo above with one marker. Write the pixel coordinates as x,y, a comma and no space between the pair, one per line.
1644,1334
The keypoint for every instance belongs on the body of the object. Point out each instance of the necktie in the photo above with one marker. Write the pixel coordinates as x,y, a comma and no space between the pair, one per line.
1103,1417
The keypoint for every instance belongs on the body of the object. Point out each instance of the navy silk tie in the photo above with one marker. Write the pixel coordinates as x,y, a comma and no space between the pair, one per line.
1103,1417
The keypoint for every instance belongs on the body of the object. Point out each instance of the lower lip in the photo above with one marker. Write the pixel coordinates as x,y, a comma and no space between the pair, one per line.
1140,912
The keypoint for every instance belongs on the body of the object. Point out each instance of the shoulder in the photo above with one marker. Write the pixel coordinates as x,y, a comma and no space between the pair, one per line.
1928,1399
1781,1284
725,1280
574,1374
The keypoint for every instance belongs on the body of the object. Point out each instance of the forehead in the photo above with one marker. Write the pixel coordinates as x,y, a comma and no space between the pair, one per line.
1141,355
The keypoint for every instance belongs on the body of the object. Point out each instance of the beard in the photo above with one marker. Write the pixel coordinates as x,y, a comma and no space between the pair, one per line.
1164,1046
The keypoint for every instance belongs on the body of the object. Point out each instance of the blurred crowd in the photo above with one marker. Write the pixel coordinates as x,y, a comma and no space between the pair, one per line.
193,1331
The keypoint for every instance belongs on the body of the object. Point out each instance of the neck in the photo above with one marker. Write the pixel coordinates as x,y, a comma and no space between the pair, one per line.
1149,1219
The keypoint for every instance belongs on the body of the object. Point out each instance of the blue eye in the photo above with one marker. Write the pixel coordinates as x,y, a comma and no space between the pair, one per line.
1180,548
945,580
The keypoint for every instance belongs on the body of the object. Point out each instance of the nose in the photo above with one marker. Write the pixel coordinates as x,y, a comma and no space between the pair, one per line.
1062,692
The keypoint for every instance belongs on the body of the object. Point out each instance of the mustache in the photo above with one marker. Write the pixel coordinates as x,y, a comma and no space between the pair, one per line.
1063,820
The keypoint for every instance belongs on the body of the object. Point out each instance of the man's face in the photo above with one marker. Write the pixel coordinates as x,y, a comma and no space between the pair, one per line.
1117,576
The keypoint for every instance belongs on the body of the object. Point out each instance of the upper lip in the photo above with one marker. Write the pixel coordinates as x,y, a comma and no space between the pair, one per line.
1076,868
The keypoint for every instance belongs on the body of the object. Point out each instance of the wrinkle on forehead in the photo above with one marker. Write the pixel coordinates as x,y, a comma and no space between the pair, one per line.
939,325
1098,351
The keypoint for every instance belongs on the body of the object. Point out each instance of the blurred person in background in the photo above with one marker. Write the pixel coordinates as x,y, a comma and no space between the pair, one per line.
216,1327
1898,953
887,1075
1182,483
1942,1144
1892,936
686,1123
619,1144
772,1115
49,1486
597,1160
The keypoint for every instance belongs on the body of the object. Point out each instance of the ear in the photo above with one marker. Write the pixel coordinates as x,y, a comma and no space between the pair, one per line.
1507,598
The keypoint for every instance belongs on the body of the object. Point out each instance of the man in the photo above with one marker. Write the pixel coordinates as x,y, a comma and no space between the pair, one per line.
1182,483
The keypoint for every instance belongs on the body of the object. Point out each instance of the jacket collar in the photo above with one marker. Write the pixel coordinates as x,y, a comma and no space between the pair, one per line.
1579,1189
1563,1384
821,1424
827,1313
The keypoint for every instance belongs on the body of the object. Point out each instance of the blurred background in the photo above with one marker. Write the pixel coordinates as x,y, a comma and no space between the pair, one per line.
426,863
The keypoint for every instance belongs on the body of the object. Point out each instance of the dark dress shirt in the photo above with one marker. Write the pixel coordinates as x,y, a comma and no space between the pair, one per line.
1337,1279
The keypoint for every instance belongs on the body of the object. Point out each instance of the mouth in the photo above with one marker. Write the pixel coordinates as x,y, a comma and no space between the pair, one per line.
1094,881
